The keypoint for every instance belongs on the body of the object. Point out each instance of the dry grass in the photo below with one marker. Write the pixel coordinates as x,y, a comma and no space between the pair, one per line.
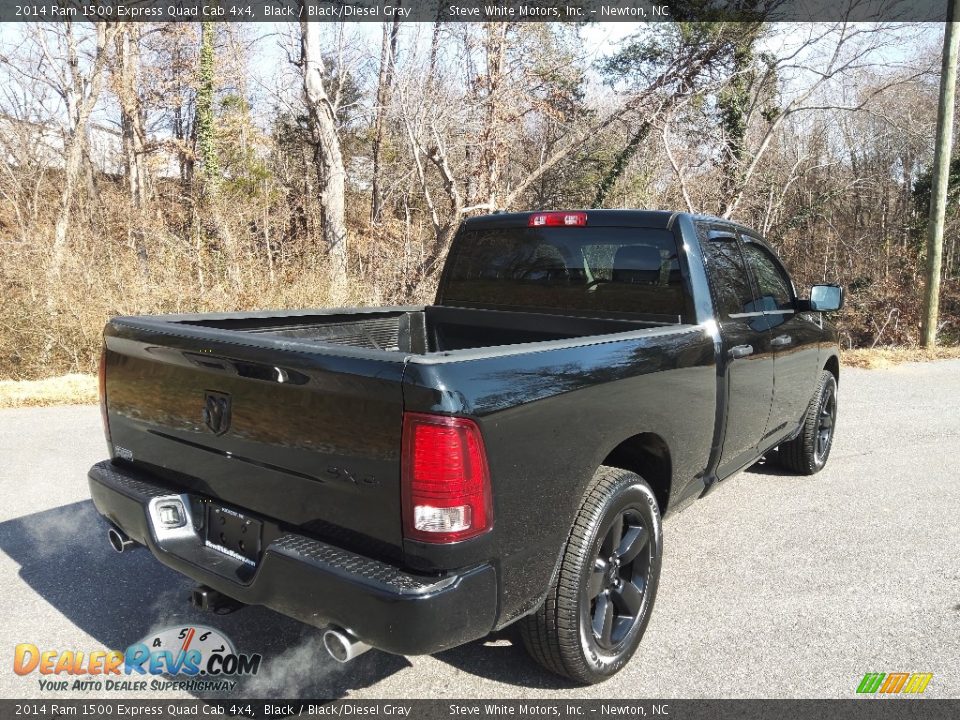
121,263
879,358
73,389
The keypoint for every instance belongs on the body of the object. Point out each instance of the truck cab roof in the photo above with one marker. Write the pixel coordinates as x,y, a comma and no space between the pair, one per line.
645,218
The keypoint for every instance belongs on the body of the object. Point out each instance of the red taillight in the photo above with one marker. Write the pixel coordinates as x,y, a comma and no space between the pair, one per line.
446,483
102,378
558,219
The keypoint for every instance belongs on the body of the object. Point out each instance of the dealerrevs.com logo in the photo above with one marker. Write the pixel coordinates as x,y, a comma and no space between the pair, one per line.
200,658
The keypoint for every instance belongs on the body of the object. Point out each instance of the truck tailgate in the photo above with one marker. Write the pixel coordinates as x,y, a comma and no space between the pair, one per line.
311,439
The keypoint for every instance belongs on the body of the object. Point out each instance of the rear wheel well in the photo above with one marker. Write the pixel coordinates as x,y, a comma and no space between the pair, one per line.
833,367
648,456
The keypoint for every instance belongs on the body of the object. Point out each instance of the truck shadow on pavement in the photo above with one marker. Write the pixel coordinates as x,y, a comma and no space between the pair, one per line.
504,661
65,558
767,465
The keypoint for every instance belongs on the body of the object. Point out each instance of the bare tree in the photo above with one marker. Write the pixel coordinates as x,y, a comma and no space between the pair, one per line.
483,184
328,157
79,86
388,54
648,102
175,48
127,82
492,140
677,169
849,48
444,224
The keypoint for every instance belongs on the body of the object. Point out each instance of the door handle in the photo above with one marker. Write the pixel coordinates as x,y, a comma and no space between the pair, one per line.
740,351
781,341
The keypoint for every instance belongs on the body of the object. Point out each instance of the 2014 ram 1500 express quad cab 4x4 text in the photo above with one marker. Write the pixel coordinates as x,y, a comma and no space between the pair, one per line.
414,478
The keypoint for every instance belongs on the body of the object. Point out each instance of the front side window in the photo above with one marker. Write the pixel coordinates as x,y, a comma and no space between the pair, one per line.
728,276
773,283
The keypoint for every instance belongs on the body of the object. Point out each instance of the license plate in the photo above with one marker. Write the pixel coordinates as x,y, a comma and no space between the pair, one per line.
234,533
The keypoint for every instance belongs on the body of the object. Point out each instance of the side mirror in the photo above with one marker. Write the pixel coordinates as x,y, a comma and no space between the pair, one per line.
824,298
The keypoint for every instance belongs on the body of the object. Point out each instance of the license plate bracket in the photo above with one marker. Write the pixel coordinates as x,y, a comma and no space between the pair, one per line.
234,533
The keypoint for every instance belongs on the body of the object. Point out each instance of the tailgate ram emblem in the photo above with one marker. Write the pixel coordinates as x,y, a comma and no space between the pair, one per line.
216,412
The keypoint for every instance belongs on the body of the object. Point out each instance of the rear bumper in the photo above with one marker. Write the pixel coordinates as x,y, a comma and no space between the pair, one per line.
312,581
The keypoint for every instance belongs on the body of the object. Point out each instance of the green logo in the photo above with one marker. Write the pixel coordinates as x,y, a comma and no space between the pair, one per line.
905,683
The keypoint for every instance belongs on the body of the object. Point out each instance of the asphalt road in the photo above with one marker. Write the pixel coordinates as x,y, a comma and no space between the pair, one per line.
773,586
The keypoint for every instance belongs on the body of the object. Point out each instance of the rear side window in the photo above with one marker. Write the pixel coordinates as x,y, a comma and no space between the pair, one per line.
582,270
727,273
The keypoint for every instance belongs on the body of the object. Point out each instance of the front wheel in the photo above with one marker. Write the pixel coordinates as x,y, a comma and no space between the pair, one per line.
808,452
599,604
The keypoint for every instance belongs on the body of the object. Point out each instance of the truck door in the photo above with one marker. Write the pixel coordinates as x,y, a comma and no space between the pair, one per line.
747,358
793,337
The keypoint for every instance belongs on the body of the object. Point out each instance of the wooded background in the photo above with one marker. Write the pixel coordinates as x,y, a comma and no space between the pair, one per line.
152,168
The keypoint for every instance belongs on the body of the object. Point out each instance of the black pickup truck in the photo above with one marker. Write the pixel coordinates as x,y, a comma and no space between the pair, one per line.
414,478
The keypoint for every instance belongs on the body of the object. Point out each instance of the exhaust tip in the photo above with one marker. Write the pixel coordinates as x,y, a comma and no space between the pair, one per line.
118,540
336,645
342,645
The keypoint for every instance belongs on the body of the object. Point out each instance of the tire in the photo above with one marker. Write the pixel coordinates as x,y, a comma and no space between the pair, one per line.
807,453
600,601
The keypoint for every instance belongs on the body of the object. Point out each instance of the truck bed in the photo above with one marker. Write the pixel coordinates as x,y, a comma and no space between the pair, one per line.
421,331
312,437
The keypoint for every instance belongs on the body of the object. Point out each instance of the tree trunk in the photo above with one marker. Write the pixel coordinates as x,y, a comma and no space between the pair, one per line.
328,158
205,126
132,120
732,103
941,177
183,130
492,146
81,95
388,54
434,51
678,74
620,164
214,214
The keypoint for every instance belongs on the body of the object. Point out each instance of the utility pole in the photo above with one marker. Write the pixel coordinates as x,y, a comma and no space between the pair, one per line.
941,177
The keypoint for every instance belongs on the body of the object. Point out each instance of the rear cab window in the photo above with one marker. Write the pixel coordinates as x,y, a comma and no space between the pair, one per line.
602,271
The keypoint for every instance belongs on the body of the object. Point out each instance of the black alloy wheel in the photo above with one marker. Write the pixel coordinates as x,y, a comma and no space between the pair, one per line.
825,421
807,453
619,579
600,600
